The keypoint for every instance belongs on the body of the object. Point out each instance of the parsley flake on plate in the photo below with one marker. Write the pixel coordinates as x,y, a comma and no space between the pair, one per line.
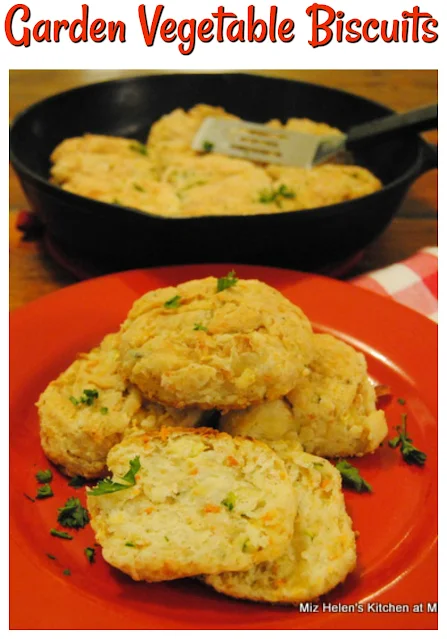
401,401
73,514
410,453
50,556
90,554
199,327
60,533
106,486
44,476
103,410
351,477
129,544
227,282
67,572
44,491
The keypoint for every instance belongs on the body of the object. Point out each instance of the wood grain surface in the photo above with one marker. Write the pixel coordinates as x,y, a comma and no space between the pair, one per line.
34,273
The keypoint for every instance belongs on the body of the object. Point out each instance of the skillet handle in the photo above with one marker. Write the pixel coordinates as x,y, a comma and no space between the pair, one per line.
430,156
423,119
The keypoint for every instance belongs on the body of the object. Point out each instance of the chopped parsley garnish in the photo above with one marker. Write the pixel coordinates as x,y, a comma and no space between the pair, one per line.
90,554
351,477
73,514
139,188
139,148
246,546
410,453
44,491
318,465
174,302
67,572
401,401
103,410
284,191
28,497
130,544
77,482
191,185
44,476
88,397
199,327
60,533
207,146
309,534
274,195
227,282
266,196
51,556
229,501
167,539
107,486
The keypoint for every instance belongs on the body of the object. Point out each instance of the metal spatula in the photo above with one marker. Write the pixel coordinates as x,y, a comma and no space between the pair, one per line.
261,143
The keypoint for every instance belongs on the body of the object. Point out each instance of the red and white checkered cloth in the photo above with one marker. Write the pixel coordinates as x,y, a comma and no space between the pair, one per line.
413,282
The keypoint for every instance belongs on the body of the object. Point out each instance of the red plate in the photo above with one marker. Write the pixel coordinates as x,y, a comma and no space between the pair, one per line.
397,560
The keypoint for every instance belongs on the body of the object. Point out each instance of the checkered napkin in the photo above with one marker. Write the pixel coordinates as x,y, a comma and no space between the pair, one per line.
413,282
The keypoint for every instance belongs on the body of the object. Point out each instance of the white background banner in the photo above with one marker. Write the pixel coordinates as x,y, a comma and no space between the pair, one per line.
355,33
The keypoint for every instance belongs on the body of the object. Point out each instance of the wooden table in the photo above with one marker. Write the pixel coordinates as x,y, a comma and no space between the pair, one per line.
33,273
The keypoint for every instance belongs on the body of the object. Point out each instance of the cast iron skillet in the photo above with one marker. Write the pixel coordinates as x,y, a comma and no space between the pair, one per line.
126,238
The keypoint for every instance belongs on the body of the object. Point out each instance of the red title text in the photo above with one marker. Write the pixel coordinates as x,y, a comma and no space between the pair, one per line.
327,26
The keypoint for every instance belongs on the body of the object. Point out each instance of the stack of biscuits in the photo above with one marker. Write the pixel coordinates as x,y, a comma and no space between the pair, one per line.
247,505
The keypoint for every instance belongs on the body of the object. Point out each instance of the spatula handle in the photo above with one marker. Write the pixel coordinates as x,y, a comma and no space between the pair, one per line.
423,119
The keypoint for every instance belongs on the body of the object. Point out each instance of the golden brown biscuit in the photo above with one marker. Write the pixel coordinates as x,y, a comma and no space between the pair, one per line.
202,502
269,422
87,409
192,345
214,184
170,138
321,185
114,170
168,178
322,551
332,409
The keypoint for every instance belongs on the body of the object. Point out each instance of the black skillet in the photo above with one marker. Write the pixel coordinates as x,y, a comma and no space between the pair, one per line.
125,238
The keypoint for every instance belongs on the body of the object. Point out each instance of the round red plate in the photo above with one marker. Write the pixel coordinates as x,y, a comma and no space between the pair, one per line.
397,524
